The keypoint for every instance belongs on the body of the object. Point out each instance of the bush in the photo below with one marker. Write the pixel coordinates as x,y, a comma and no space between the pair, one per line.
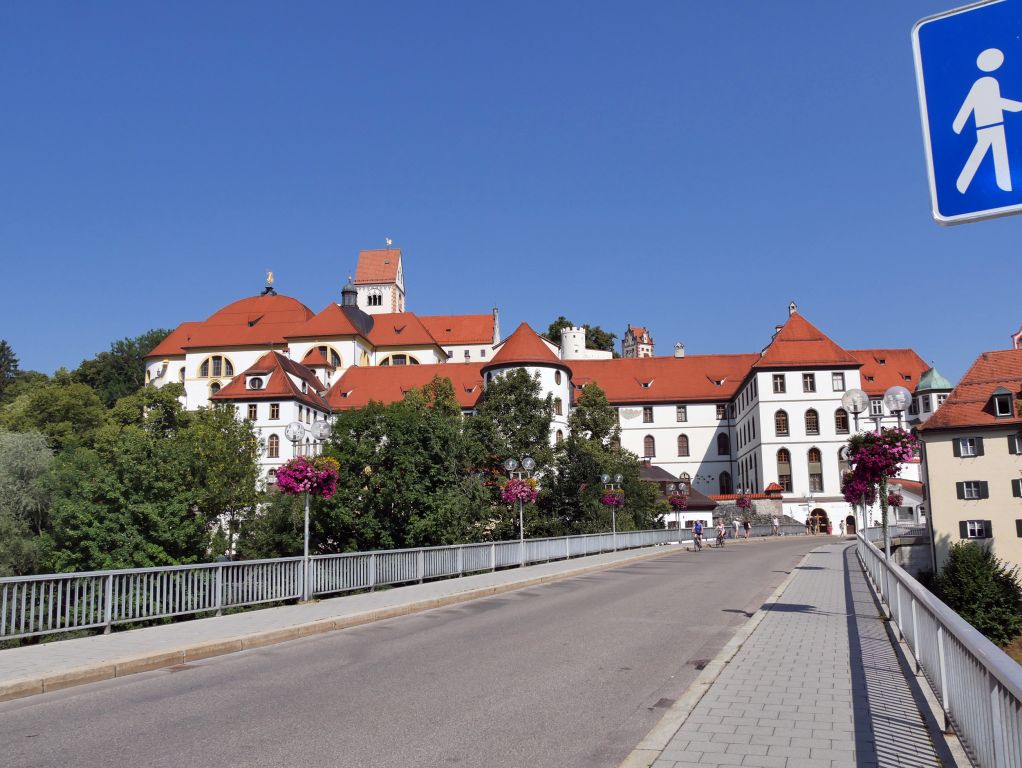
983,591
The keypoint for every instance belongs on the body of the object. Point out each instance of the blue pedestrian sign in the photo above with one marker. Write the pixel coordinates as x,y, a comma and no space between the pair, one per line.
969,76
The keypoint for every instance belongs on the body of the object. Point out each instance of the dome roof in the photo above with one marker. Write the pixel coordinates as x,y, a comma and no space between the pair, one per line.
255,321
283,309
524,346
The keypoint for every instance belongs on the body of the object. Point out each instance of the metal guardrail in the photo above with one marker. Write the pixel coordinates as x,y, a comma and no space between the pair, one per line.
50,603
877,533
978,685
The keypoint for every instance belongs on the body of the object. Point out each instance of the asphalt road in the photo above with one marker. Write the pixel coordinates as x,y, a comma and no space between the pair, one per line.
570,674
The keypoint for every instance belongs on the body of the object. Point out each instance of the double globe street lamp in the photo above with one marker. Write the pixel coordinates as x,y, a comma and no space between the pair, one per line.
294,432
610,484
527,465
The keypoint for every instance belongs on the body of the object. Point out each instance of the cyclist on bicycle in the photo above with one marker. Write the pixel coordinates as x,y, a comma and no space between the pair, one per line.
721,534
697,534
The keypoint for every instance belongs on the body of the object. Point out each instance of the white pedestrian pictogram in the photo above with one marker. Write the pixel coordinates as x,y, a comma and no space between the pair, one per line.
985,102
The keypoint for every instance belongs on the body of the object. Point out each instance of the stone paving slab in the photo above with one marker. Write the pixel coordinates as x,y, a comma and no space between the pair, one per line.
817,684
33,669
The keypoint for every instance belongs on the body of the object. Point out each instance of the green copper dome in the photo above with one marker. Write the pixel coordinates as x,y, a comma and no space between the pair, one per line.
933,380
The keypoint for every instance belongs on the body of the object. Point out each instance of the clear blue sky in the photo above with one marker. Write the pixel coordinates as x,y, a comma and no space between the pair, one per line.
687,166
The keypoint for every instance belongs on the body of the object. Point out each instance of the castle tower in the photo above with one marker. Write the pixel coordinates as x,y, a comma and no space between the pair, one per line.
380,281
637,342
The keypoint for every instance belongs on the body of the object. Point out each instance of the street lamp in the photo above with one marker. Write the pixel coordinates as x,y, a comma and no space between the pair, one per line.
611,484
527,465
294,432
856,401
897,399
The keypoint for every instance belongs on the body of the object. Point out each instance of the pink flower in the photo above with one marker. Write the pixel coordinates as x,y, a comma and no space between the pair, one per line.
519,490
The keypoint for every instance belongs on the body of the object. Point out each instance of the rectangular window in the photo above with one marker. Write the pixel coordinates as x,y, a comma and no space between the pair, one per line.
913,409
681,412
925,399
721,410
647,414
971,490
217,363
837,381
779,387
274,410
975,529
253,411
968,447
1002,405
876,407
940,400
816,482
808,382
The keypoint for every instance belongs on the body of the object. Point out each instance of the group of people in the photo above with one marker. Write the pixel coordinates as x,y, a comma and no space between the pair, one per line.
722,532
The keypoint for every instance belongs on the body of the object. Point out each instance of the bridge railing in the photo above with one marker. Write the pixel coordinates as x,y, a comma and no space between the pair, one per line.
978,685
64,602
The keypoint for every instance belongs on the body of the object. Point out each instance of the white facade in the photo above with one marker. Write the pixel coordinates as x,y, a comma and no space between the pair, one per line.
554,381
573,346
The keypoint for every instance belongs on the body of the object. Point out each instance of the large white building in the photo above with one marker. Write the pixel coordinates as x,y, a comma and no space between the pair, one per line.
722,423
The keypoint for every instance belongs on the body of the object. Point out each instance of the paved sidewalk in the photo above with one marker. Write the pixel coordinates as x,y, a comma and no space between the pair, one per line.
59,664
817,684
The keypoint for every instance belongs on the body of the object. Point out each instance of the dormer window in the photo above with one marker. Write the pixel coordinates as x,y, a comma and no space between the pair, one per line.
1001,402
255,382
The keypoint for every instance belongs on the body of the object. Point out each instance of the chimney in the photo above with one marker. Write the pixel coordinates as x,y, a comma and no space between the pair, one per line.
792,309
679,349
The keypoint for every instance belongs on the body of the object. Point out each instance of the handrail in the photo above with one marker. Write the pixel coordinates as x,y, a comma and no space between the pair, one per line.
979,686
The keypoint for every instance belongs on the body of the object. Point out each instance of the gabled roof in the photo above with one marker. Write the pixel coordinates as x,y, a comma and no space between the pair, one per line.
714,378
638,331
357,387
399,329
888,368
315,359
171,346
278,384
969,405
800,344
256,321
377,266
332,322
460,329
524,346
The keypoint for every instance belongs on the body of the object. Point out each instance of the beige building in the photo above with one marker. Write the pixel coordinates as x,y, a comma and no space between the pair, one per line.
972,459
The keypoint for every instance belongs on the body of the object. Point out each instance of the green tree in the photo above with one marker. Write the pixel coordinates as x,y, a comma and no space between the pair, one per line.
25,461
8,367
983,591
66,412
23,382
593,417
121,370
513,420
596,337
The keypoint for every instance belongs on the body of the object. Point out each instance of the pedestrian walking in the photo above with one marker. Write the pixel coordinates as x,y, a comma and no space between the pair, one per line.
735,524
841,527
748,525
809,525
777,526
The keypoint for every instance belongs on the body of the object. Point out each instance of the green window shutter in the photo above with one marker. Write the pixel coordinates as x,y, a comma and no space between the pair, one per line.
1018,528
988,528
960,491
1013,444
979,446
1016,488
956,446
963,530
984,490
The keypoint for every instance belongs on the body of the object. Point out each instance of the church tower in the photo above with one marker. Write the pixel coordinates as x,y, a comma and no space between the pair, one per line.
380,281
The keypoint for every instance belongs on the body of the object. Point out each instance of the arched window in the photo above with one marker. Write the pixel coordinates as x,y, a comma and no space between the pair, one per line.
559,437
723,445
215,366
683,445
815,470
812,422
784,469
557,377
214,387
331,355
273,447
648,446
374,299
558,407
841,421
781,423
725,482
399,360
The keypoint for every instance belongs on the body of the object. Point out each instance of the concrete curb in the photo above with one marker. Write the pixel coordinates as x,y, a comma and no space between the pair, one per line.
648,750
147,662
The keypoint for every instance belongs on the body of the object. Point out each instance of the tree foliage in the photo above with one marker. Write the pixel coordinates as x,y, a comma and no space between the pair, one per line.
121,370
68,413
983,591
596,337
25,461
513,420
8,366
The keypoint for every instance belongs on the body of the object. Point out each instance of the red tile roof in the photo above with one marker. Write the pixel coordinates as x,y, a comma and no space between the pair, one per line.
315,359
969,404
387,384
460,329
377,266
799,343
524,346
665,379
888,368
399,329
278,385
172,345
256,321
330,323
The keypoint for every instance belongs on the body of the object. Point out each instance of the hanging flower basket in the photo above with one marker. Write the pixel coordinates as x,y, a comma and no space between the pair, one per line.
519,490
895,499
301,474
678,501
613,497
744,502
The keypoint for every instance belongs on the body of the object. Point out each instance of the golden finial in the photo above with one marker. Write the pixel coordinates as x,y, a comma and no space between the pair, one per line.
269,277
389,242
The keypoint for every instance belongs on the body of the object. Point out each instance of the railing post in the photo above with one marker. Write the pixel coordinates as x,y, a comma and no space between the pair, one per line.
567,548
942,662
372,571
901,616
997,722
461,560
493,556
219,587
421,565
108,604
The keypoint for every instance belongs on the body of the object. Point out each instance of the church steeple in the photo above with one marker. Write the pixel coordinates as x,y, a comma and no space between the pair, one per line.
349,294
